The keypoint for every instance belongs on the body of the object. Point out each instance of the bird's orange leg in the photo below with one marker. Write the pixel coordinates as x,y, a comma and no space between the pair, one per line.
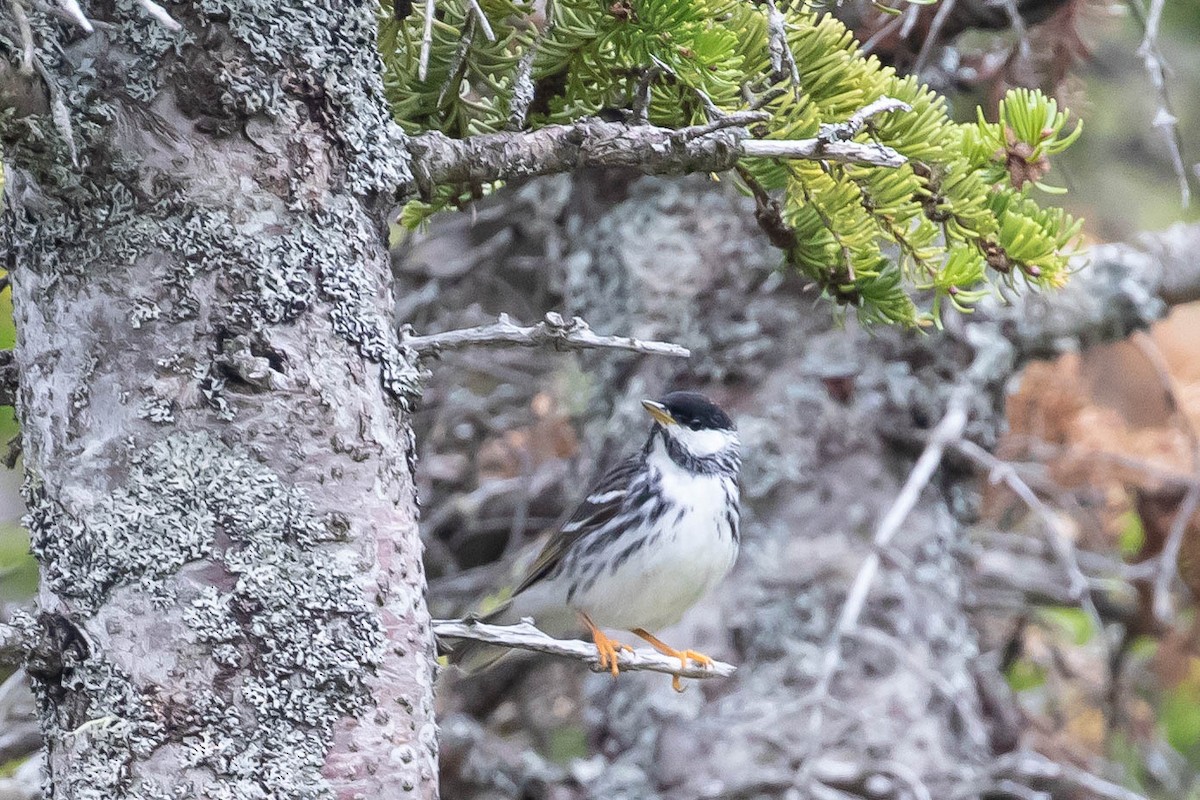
683,655
606,648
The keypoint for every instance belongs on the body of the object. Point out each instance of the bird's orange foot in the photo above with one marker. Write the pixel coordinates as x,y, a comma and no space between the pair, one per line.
607,649
684,656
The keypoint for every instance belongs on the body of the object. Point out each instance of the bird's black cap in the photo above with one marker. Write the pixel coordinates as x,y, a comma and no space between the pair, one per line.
696,411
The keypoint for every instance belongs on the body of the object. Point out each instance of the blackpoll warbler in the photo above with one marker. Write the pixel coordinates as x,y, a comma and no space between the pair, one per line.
653,537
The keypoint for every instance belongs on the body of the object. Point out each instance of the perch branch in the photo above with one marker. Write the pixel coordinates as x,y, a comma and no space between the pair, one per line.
553,331
478,160
524,636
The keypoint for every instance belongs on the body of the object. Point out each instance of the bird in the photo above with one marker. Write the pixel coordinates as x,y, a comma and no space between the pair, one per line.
654,535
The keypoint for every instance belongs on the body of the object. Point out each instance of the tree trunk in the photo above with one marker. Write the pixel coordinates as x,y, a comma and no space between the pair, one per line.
214,408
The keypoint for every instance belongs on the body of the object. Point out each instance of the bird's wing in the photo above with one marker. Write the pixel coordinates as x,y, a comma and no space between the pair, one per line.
601,505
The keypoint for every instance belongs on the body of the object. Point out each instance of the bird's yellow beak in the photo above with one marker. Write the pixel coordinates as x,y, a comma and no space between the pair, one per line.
659,412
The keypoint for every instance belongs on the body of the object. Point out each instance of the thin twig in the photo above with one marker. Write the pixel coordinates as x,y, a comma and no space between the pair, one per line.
782,61
457,61
820,150
554,331
641,93
931,38
1164,608
947,431
1164,117
738,119
833,143
477,10
523,88
524,636
844,131
1060,543
71,7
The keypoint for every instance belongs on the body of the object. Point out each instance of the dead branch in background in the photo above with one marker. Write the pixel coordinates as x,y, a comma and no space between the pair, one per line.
1028,769
524,636
1060,543
1164,118
948,430
554,331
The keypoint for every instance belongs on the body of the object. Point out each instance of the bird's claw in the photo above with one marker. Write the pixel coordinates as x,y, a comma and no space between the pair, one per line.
609,651
684,657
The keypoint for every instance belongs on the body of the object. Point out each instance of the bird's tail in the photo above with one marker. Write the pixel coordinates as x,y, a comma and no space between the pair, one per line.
471,656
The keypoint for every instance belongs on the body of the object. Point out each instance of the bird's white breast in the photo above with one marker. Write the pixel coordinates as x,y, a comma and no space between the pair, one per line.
689,549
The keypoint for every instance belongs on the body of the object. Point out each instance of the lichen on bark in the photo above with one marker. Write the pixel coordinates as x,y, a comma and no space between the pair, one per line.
214,406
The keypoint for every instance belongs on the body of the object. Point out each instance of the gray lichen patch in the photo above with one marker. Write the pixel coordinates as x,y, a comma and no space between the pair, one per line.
290,635
132,176
336,67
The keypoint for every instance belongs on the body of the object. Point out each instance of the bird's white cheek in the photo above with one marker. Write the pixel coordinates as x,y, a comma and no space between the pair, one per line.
702,443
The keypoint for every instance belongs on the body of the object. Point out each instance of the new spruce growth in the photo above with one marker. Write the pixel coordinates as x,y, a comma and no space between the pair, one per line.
896,243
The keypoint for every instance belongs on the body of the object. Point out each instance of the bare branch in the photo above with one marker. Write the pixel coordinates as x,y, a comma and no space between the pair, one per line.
844,131
712,147
522,86
524,636
877,155
553,331
426,42
1030,767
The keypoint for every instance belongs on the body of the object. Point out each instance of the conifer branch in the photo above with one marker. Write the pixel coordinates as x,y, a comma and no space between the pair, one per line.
713,147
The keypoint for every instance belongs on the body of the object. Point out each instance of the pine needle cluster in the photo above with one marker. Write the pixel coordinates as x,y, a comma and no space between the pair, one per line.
896,244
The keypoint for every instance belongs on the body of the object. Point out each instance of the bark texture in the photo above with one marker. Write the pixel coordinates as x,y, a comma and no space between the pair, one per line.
214,406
